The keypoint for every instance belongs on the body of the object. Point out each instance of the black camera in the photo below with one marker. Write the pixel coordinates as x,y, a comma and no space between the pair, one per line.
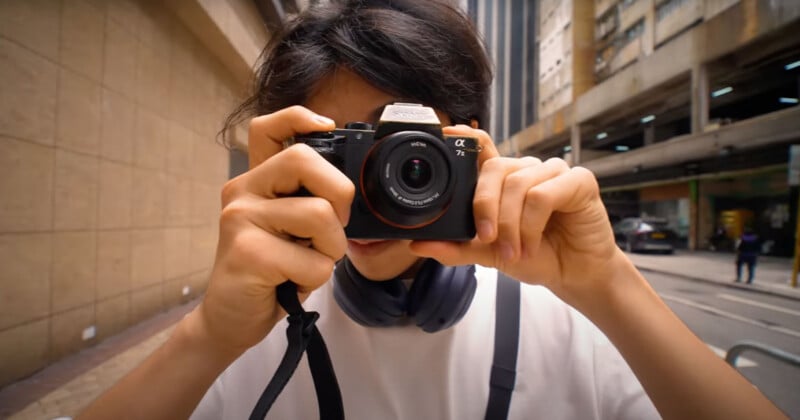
411,181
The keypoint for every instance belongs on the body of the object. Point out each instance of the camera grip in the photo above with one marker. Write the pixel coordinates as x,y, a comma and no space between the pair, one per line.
322,142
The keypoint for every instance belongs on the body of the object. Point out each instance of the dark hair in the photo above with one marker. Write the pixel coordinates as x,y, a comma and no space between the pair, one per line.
427,51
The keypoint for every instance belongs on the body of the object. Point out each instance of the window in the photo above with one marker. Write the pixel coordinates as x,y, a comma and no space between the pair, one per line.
667,8
634,31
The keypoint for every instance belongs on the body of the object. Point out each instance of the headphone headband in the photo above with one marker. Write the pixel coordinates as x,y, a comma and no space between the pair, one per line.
438,298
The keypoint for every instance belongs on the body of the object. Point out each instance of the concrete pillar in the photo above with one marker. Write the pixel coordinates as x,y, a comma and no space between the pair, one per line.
649,35
700,97
583,54
694,214
575,142
698,206
649,134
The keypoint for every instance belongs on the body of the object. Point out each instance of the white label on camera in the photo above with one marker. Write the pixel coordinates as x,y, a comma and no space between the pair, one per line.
414,113
461,143
410,202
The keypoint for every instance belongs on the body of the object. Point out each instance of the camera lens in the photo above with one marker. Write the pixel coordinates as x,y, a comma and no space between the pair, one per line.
407,179
416,173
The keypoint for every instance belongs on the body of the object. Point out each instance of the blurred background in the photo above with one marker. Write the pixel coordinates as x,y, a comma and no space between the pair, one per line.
111,168
684,110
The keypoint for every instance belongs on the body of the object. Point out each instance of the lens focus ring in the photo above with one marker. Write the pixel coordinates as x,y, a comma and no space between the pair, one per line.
407,179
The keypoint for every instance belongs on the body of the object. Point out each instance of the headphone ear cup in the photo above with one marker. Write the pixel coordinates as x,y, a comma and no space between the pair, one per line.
370,303
441,295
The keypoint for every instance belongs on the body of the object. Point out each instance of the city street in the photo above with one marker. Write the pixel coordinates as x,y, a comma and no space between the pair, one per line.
723,316
696,285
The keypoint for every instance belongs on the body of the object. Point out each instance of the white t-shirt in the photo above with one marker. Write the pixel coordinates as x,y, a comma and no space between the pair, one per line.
566,368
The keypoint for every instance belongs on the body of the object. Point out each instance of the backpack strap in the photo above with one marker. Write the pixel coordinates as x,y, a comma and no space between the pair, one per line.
506,346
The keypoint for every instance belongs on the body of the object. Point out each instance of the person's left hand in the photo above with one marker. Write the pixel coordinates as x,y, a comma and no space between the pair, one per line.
539,222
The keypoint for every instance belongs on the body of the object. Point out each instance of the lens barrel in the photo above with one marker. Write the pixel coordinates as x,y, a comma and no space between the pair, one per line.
407,178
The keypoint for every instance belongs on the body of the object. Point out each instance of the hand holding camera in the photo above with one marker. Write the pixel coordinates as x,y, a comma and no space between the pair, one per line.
539,222
260,220
412,182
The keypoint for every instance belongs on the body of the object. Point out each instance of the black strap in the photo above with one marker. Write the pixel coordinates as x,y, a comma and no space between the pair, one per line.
303,335
506,345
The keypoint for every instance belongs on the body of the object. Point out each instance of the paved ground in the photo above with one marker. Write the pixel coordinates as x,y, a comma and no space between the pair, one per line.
65,387
773,274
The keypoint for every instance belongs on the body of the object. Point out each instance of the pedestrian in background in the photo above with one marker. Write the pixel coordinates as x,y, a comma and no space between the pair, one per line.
747,251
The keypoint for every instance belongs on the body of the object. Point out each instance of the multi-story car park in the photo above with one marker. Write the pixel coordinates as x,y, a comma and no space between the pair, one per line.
684,109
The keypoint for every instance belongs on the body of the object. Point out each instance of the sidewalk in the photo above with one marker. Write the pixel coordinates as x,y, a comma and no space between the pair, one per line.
773,274
65,387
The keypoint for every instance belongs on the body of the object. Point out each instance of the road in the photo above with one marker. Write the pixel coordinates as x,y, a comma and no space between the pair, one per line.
723,316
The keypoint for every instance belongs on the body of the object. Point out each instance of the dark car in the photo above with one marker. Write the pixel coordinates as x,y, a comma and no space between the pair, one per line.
639,234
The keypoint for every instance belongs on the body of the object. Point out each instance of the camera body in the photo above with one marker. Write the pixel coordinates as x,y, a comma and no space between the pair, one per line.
411,181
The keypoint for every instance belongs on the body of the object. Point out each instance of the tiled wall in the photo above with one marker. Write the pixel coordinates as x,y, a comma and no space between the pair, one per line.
109,171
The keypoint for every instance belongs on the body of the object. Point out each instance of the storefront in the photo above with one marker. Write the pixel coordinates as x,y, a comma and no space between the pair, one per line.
760,201
671,203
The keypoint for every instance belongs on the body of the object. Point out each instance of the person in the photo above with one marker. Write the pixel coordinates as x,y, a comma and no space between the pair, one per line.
718,239
595,340
747,250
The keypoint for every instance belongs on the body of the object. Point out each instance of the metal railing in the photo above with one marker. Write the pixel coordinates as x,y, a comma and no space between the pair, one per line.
774,352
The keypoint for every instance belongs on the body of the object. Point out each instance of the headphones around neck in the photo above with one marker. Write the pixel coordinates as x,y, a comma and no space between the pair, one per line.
438,298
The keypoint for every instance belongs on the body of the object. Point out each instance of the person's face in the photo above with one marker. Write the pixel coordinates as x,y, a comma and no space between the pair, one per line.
345,97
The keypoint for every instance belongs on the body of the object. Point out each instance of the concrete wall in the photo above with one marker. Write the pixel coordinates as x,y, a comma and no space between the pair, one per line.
684,14
715,7
628,16
109,171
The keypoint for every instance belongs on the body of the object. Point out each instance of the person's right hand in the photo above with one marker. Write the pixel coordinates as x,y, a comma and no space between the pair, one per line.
261,226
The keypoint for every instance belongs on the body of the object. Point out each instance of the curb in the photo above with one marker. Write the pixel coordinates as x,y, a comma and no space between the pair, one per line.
733,285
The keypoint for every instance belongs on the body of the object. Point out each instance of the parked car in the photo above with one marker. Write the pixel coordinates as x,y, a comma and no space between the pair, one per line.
644,234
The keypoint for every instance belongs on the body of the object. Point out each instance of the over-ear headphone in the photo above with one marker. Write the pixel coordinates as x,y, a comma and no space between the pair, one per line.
438,298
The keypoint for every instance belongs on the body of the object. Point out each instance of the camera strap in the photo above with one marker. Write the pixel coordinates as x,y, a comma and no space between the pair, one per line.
506,346
303,336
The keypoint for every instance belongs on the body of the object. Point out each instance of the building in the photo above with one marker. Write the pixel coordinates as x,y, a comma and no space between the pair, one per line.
110,171
690,114
509,32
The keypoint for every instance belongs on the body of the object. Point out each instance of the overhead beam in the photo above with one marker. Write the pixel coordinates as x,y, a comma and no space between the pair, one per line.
556,124
777,127
231,29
